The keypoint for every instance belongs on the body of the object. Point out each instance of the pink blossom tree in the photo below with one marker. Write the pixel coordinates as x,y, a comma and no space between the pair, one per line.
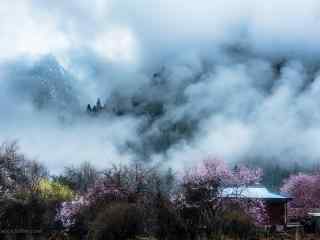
68,210
101,191
305,192
212,175
244,176
213,169
257,211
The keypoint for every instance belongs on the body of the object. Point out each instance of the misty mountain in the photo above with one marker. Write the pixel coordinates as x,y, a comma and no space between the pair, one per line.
44,83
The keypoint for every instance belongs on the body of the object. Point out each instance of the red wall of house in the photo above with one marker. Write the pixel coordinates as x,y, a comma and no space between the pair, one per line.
276,212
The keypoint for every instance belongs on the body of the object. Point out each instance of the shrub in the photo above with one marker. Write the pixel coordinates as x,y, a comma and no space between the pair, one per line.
117,221
170,224
30,213
236,223
51,190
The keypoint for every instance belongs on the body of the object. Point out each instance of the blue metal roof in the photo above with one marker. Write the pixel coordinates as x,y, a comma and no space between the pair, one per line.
250,192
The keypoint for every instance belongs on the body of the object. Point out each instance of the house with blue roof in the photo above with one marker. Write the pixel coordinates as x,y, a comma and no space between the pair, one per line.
276,204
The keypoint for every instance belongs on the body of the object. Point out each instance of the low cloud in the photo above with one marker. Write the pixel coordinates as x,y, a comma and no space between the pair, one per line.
235,80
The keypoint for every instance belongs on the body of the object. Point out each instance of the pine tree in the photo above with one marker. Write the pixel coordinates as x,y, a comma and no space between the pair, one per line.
99,106
89,109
